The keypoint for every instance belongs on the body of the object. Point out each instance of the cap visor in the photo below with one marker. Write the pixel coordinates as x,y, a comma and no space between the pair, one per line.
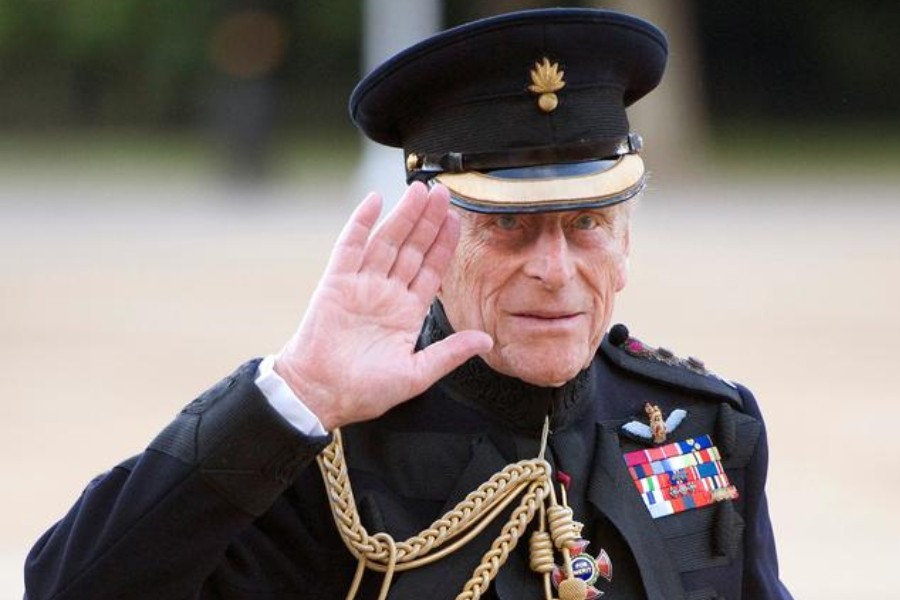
547,188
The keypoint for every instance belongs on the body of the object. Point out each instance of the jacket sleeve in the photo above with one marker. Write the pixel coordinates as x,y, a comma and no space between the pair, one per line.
157,525
761,580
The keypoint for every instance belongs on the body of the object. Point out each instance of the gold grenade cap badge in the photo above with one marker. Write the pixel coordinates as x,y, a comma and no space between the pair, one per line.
546,79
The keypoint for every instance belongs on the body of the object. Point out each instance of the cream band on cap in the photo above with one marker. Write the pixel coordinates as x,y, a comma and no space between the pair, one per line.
486,192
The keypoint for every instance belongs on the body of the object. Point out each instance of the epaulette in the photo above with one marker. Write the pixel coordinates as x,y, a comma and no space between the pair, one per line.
660,364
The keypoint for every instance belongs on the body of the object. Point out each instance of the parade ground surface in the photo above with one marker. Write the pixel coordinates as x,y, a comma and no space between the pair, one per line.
123,298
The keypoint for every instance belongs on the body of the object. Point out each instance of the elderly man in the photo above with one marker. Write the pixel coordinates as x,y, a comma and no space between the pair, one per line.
508,448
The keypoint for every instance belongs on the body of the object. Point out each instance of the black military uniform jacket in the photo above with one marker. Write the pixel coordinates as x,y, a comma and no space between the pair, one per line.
227,502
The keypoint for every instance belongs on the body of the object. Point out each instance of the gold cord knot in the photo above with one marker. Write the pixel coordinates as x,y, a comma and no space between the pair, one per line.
540,550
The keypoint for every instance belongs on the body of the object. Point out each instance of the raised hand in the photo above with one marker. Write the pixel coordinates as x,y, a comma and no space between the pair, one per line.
353,356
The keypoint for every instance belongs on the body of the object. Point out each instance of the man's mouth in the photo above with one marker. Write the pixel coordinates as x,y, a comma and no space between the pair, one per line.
547,315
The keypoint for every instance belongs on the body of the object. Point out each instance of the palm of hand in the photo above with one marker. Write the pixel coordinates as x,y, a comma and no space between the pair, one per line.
353,356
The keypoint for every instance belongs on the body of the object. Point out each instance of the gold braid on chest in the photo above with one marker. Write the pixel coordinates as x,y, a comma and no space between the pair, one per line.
529,481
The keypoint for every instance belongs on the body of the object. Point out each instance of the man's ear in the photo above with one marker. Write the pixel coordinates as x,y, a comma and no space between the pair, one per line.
626,254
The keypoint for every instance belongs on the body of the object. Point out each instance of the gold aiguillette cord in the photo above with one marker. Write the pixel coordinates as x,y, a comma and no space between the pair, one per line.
530,479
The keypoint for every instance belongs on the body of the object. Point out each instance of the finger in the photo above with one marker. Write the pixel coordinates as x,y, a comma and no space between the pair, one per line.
347,255
384,244
435,262
413,251
438,359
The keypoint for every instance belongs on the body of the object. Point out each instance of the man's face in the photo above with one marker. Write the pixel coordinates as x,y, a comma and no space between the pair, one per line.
543,286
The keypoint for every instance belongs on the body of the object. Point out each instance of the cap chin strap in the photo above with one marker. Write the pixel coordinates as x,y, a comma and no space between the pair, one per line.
424,166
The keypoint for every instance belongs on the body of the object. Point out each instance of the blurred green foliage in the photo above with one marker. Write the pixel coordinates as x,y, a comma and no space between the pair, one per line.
145,64
803,59
85,62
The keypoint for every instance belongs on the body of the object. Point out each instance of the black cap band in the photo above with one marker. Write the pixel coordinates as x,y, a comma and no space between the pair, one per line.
422,167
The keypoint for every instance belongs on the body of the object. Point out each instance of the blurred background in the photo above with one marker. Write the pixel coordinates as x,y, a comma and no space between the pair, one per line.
172,176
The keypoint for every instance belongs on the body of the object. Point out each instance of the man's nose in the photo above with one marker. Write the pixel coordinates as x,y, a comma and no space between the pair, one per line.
550,260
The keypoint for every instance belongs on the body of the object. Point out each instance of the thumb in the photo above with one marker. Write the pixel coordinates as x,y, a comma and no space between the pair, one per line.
438,359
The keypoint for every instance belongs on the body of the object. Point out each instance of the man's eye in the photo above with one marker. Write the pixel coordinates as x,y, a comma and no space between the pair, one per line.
585,222
507,222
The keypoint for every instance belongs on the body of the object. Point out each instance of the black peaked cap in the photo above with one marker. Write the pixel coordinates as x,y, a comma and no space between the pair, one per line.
467,89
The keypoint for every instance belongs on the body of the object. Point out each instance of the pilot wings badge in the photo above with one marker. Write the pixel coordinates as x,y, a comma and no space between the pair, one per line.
655,430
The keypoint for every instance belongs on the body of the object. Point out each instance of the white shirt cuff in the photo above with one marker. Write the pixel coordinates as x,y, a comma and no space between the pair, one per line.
283,399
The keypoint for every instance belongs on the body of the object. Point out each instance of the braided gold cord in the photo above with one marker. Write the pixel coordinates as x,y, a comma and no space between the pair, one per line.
509,536
473,513
457,527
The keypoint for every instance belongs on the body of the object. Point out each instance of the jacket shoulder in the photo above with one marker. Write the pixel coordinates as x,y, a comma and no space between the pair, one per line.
657,364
